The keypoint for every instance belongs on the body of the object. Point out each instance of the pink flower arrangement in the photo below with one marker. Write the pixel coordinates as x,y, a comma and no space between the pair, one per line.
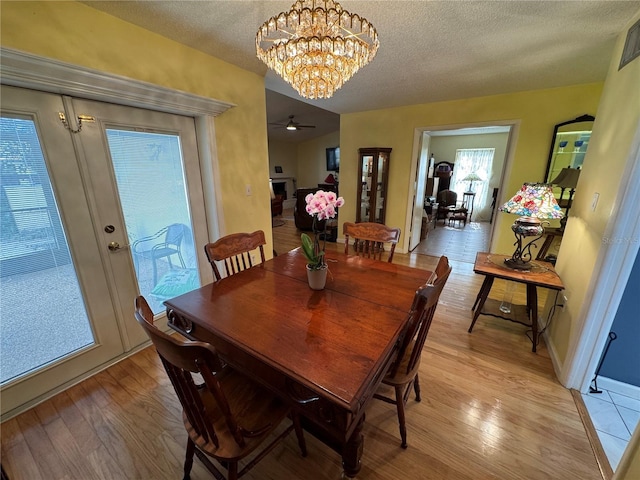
323,205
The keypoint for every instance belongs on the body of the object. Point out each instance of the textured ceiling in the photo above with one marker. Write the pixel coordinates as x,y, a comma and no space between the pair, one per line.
429,50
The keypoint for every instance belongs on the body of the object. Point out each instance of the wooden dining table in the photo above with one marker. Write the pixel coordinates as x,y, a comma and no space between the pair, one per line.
324,352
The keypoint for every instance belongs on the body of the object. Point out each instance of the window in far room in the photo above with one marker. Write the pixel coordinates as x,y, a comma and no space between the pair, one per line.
468,161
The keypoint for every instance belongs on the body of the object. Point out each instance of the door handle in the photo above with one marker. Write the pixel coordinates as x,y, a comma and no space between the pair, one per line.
115,246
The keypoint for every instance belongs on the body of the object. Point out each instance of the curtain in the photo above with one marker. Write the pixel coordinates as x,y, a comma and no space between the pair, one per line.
478,161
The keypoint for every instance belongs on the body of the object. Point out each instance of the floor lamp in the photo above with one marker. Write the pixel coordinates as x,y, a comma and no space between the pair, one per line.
472,177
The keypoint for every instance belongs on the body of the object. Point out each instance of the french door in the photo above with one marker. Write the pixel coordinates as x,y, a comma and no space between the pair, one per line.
95,209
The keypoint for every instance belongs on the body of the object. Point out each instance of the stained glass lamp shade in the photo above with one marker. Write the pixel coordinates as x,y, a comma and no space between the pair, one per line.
533,202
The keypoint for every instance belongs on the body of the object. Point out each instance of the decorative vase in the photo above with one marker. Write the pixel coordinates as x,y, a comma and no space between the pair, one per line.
317,278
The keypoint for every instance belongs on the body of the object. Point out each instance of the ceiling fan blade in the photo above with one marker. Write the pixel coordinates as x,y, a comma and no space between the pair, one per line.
305,126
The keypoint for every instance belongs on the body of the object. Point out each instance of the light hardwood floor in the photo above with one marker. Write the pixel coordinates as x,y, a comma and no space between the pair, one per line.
491,409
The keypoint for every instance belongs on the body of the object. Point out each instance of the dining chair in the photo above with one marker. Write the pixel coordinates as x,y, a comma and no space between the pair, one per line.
234,251
441,268
403,373
228,416
369,239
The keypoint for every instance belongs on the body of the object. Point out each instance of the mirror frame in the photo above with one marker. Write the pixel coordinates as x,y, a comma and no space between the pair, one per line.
580,119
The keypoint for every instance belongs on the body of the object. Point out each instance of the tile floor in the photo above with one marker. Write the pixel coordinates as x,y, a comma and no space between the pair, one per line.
614,417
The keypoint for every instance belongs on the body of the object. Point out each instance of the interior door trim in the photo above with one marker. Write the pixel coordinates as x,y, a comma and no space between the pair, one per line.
20,69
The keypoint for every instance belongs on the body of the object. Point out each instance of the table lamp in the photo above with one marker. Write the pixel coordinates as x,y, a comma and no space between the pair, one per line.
566,179
533,202
472,177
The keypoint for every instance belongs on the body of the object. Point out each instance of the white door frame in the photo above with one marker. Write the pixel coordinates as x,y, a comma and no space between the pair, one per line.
28,71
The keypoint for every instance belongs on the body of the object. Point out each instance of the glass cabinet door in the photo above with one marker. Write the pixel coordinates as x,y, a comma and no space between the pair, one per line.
372,184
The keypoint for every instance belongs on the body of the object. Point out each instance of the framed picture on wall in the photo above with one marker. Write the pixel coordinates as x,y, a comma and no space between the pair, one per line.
278,169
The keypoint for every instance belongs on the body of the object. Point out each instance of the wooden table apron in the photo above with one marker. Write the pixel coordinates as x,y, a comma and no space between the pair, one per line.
490,265
324,351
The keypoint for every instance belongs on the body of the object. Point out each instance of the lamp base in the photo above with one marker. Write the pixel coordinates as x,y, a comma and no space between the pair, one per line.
524,227
517,264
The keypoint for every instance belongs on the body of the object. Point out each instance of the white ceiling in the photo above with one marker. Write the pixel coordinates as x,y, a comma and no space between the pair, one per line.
429,50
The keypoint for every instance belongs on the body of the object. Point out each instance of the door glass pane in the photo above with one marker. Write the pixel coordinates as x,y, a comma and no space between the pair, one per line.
43,311
153,195
367,165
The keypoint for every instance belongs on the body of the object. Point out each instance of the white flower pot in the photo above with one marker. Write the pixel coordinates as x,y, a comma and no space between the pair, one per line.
317,278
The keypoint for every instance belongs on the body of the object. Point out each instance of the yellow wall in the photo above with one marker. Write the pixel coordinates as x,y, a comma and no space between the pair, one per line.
537,111
616,124
285,155
312,159
78,34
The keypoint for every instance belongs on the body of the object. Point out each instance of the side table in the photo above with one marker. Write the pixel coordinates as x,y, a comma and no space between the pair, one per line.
542,274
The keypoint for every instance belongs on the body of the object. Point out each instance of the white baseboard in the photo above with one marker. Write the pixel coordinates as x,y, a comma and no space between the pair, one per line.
553,355
625,389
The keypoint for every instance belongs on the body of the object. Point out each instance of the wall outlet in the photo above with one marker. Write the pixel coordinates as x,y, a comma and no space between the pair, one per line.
562,301
594,202
247,190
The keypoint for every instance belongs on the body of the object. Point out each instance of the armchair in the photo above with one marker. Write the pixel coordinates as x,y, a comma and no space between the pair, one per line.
446,199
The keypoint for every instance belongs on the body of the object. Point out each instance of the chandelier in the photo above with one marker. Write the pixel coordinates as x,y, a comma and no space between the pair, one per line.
316,46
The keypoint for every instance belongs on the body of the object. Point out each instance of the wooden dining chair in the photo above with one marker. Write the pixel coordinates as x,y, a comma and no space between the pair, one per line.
234,251
441,268
370,238
403,373
227,417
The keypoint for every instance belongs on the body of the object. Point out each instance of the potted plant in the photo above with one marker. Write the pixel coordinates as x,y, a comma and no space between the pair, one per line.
321,206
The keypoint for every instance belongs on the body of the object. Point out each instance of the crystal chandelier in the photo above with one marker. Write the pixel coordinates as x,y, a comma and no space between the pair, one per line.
316,46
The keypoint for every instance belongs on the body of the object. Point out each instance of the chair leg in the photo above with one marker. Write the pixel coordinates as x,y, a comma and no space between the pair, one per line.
416,388
188,462
181,260
299,434
155,272
233,471
401,421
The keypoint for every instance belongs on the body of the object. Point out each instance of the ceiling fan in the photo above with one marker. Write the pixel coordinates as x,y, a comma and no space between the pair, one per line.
291,125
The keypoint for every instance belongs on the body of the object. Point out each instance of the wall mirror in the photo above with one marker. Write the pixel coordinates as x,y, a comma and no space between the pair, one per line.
569,144
568,147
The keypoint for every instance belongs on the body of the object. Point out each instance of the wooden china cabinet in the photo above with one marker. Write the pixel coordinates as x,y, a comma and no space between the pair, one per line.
373,178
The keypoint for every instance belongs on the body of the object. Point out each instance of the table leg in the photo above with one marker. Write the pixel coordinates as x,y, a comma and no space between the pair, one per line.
352,453
532,306
480,299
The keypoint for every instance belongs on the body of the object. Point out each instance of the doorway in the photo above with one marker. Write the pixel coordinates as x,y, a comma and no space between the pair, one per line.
76,196
445,144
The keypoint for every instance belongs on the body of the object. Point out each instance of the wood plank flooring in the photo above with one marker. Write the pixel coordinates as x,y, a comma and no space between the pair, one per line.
491,409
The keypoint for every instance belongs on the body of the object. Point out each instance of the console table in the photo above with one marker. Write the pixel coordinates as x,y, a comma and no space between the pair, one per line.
542,274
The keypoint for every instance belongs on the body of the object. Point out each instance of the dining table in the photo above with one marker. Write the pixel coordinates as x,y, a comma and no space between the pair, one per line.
324,352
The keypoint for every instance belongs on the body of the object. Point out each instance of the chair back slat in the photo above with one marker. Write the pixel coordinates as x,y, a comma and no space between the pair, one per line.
181,359
192,405
234,251
369,239
421,315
